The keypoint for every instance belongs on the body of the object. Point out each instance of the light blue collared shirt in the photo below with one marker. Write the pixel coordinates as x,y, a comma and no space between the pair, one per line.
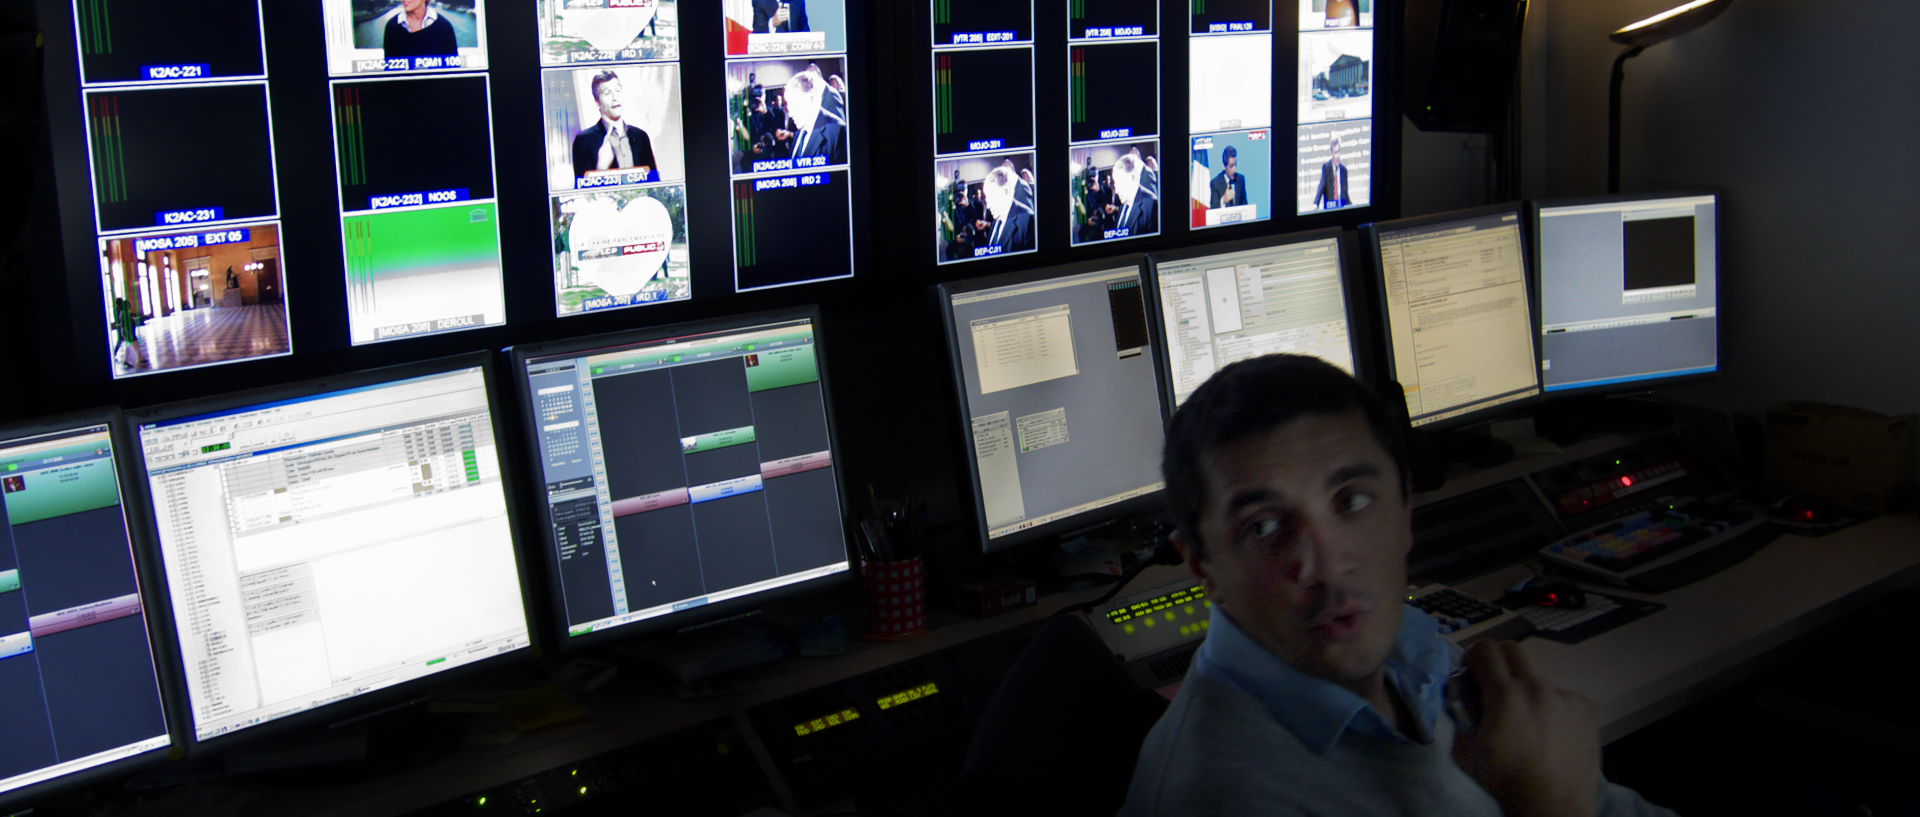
1318,711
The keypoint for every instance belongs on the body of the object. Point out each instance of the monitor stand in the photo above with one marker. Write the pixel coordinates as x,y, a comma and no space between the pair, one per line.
372,746
1465,451
1570,420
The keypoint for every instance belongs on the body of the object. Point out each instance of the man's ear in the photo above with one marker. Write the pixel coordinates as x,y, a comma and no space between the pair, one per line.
1196,560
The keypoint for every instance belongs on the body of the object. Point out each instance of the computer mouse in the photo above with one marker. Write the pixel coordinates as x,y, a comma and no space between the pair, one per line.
1548,593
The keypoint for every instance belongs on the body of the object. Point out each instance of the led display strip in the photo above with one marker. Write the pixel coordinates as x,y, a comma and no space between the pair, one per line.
1230,111
985,191
187,229
616,153
419,215
789,141
1113,93
1334,159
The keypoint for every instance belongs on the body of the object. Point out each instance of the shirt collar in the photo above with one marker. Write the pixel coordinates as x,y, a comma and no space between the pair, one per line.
432,15
1318,711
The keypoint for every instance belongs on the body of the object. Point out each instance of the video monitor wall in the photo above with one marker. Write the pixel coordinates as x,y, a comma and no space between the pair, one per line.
413,155
78,680
1113,92
985,187
616,153
329,545
1334,157
789,132
185,199
1230,111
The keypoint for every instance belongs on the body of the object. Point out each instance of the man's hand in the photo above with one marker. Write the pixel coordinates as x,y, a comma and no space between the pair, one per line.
1536,748
1226,199
607,154
779,18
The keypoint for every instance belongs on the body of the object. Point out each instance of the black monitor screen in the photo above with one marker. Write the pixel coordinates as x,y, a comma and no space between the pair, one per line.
147,176
983,100
1060,397
982,22
142,41
1231,16
1628,291
1100,19
77,674
684,471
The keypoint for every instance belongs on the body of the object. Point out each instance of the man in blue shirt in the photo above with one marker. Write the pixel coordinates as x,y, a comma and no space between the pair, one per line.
1318,691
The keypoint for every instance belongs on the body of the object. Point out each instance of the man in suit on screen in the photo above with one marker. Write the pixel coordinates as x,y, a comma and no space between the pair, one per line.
1011,208
818,106
1333,182
1229,188
779,16
611,143
1136,185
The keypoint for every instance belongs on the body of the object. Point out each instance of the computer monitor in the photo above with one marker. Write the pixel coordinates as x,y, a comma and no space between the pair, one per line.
1628,291
1459,322
78,678
686,472
1059,400
329,542
1228,302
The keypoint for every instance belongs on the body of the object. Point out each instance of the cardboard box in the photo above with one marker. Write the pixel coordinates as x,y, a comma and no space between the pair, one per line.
1853,457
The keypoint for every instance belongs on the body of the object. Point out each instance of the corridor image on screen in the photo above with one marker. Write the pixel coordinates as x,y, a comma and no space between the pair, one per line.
181,299
1104,19
1224,308
685,471
620,248
388,36
789,114
775,27
142,41
145,176
1460,329
1115,190
614,125
575,32
984,206
77,674
330,545
1335,167
1060,397
1629,291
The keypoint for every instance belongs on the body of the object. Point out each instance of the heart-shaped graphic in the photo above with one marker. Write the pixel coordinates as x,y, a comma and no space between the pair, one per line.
610,29
620,249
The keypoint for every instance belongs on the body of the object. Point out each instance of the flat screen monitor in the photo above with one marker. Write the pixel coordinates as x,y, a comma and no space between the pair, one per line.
1629,293
78,679
1459,324
1229,302
1059,398
328,541
685,471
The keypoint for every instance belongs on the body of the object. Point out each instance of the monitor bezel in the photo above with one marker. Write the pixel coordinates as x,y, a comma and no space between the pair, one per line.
399,694
1350,301
944,292
557,626
133,509
1643,385
1376,277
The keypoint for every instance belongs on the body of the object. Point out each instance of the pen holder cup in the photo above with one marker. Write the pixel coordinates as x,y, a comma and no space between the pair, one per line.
896,598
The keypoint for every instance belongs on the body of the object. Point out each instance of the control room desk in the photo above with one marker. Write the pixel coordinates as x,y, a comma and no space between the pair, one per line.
1717,631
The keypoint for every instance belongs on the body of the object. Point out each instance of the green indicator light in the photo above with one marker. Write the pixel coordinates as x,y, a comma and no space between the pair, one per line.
574,773
482,801
750,347
13,466
436,661
583,791
676,358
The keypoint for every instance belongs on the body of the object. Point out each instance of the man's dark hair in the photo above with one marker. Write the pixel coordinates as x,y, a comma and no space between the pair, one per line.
1252,397
1228,152
600,79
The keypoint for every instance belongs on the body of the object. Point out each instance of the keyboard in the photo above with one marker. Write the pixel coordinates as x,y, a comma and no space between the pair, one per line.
1601,613
1664,548
1452,609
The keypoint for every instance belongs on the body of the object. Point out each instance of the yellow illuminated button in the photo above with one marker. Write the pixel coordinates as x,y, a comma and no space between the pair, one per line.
1189,609
1169,616
1185,631
1126,628
1147,621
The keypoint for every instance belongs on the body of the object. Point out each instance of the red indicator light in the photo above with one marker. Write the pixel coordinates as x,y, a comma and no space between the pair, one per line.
1626,482
1807,515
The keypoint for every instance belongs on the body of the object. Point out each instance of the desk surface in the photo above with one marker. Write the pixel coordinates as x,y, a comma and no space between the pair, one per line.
1718,631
